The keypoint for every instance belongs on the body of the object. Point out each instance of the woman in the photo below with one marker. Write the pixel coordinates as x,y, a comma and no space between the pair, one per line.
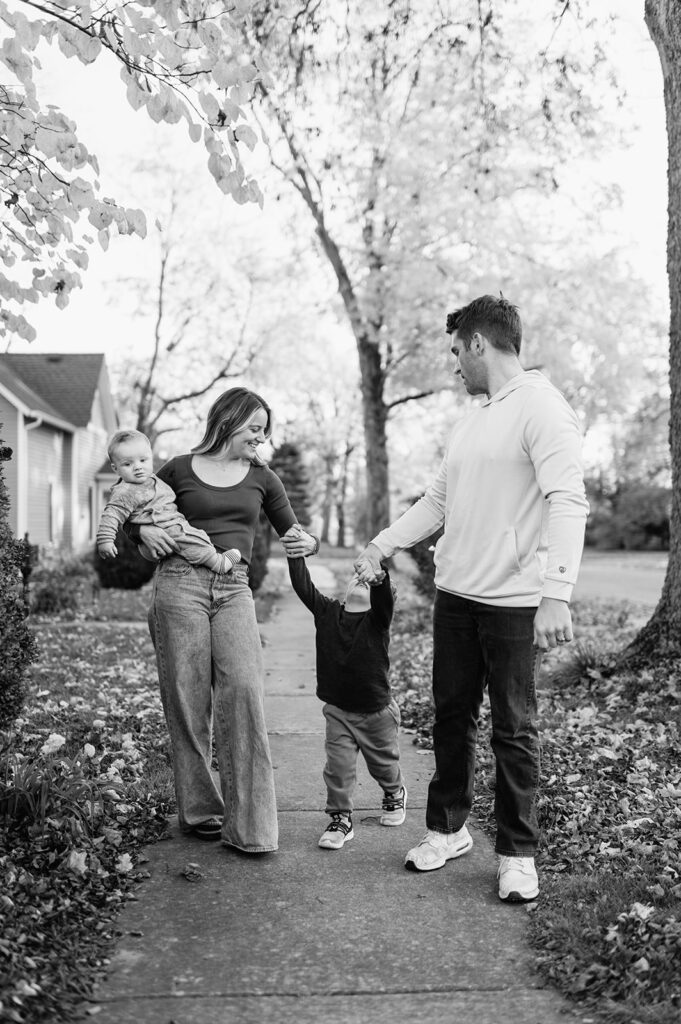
205,632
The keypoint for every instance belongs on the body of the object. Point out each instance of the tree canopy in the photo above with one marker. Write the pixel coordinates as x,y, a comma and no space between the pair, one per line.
436,148
179,60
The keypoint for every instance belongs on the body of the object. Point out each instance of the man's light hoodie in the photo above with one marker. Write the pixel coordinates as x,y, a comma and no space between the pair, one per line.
510,492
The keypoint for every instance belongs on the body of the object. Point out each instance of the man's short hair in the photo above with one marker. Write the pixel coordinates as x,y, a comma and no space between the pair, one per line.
497,319
120,437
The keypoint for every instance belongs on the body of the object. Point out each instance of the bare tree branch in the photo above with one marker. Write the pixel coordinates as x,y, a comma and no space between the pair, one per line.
412,398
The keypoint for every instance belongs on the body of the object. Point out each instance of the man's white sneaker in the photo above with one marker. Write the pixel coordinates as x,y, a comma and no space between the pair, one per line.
394,807
436,848
518,880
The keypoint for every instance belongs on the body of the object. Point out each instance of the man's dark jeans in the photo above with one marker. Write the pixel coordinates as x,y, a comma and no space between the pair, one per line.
478,645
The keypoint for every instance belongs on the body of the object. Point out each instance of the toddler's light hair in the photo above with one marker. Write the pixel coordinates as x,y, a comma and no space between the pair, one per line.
120,437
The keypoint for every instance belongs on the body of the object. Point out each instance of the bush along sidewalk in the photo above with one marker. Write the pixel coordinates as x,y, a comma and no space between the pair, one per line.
84,784
607,925
16,641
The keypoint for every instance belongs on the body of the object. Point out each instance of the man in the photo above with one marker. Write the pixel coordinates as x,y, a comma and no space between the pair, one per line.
510,492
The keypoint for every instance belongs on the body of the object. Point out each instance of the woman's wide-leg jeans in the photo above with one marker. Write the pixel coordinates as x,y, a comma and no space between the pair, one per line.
211,675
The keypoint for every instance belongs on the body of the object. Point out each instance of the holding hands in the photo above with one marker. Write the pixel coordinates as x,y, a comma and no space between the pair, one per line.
297,543
368,565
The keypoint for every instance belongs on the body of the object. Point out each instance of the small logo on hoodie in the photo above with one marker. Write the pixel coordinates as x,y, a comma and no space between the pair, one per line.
561,568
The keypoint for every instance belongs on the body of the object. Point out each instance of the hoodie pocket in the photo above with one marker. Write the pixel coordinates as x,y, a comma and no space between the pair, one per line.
511,541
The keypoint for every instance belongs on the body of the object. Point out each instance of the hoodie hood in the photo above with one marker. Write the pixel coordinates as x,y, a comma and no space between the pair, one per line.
527,379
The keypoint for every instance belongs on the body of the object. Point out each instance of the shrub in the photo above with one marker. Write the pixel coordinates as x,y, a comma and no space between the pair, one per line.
61,583
633,516
422,554
642,513
128,571
287,463
262,544
16,641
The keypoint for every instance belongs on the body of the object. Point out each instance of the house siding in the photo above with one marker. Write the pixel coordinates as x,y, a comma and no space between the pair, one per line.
49,502
58,413
91,453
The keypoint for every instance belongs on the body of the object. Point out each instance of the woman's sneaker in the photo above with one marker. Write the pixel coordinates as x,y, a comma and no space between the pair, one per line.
436,848
518,880
339,831
394,807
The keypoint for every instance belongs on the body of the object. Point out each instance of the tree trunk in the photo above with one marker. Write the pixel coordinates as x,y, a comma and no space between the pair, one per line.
372,373
342,493
329,498
375,415
661,636
340,519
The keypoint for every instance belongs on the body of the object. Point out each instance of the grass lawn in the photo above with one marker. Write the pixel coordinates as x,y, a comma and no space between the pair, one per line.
607,926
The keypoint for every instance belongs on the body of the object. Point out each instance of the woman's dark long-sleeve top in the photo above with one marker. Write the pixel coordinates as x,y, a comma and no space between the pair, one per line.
352,647
229,515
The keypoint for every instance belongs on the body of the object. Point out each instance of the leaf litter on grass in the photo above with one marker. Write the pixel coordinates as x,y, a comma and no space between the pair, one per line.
607,928
87,769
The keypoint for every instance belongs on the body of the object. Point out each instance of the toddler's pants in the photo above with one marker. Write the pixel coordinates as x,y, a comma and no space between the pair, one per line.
348,732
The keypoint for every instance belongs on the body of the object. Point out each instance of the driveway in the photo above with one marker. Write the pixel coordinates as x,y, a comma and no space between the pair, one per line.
622,575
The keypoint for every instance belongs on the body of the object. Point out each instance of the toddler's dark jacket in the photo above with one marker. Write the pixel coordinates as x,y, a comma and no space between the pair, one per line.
352,647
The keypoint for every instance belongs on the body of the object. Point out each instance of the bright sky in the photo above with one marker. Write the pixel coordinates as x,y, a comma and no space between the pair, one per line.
94,97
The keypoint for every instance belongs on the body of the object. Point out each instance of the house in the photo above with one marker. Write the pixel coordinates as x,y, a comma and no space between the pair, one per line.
56,413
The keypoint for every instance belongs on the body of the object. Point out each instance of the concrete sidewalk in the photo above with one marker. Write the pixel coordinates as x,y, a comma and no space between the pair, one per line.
309,935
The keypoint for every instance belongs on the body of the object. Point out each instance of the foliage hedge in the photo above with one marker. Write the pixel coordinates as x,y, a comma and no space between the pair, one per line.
632,516
63,583
16,641
287,462
262,544
128,571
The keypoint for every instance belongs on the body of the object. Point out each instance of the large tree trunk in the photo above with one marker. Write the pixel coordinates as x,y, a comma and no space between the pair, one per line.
375,436
662,635
372,374
366,333
342,493
329,498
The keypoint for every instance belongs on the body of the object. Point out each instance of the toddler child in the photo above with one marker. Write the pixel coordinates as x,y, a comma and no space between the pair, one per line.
140,497
352,641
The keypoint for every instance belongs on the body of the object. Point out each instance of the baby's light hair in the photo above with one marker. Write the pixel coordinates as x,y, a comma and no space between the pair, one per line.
120,437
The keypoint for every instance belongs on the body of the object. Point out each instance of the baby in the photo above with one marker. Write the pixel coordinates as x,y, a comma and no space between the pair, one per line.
352,639
140,497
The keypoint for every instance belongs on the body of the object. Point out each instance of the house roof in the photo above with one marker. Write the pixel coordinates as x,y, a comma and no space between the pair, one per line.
61,385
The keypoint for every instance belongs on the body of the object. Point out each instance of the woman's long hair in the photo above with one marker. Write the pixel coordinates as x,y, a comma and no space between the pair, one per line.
232,411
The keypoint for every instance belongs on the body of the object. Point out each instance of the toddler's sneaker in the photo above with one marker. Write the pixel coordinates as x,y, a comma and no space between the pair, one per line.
394,807
339,831
230,559
436,848
518,880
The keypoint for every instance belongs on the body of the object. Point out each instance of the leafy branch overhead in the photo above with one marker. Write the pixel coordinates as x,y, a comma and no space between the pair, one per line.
180,60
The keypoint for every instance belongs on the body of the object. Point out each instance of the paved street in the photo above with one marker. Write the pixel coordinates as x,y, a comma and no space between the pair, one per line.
629,575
